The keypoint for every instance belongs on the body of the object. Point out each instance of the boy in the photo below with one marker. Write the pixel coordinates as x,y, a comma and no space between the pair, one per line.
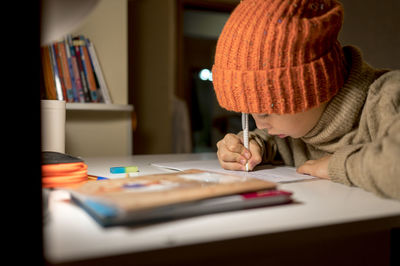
317,106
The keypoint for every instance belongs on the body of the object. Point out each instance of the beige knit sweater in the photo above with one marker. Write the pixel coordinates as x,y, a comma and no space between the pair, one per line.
360,128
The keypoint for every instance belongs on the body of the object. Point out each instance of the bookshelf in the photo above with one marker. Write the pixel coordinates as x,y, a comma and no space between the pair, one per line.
73,63
99,107
100,129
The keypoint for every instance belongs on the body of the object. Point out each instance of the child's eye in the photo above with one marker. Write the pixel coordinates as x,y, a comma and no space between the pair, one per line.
260,116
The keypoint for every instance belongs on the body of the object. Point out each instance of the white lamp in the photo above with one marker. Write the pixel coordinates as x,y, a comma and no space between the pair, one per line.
60,17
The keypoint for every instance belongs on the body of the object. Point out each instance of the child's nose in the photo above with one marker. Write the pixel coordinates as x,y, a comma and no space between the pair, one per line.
263,125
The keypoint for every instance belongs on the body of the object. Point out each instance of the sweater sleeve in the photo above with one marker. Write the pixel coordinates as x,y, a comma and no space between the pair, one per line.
267,144
373,166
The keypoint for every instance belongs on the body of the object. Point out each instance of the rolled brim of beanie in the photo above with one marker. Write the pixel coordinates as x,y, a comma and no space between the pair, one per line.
286,90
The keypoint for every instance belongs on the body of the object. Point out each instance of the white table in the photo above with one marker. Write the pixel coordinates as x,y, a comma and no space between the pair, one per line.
327,221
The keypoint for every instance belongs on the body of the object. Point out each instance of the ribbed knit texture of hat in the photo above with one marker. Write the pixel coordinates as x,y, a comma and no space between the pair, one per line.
279,56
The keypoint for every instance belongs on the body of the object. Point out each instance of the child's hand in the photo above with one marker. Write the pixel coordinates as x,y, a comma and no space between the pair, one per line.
232,154
317,168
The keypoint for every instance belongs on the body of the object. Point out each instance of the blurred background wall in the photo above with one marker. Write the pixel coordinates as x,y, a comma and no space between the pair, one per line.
154,51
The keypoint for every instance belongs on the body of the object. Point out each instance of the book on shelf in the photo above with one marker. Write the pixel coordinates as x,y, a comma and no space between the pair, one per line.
72,72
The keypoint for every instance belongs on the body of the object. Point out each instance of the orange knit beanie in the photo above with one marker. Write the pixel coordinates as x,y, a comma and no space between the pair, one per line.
279,56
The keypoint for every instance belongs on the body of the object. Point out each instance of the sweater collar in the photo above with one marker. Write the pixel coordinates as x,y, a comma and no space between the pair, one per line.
343,112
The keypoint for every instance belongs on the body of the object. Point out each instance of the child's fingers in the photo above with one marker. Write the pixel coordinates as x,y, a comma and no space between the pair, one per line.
308,168
230,151
255,151
318,168
227,156
304,169
234,144
232,165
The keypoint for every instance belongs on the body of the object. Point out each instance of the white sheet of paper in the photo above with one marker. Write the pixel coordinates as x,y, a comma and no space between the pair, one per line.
277,174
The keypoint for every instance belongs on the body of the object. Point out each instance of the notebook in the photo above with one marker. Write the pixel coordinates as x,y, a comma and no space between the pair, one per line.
275,174
173,195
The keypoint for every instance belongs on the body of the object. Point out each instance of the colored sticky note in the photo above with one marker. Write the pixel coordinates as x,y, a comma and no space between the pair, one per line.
123,169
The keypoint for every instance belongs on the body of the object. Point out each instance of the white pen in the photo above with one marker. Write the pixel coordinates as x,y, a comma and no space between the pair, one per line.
245,126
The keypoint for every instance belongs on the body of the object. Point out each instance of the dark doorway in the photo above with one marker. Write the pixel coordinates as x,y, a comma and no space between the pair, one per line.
200,23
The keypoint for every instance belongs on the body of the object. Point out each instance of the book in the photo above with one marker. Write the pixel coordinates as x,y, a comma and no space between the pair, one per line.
87,68
78,88
65,69
56,73
159,197
49,83
71,71
85,85
60,70
99,73
75,97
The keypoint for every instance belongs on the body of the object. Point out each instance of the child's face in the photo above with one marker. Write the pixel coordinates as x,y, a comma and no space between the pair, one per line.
295,126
